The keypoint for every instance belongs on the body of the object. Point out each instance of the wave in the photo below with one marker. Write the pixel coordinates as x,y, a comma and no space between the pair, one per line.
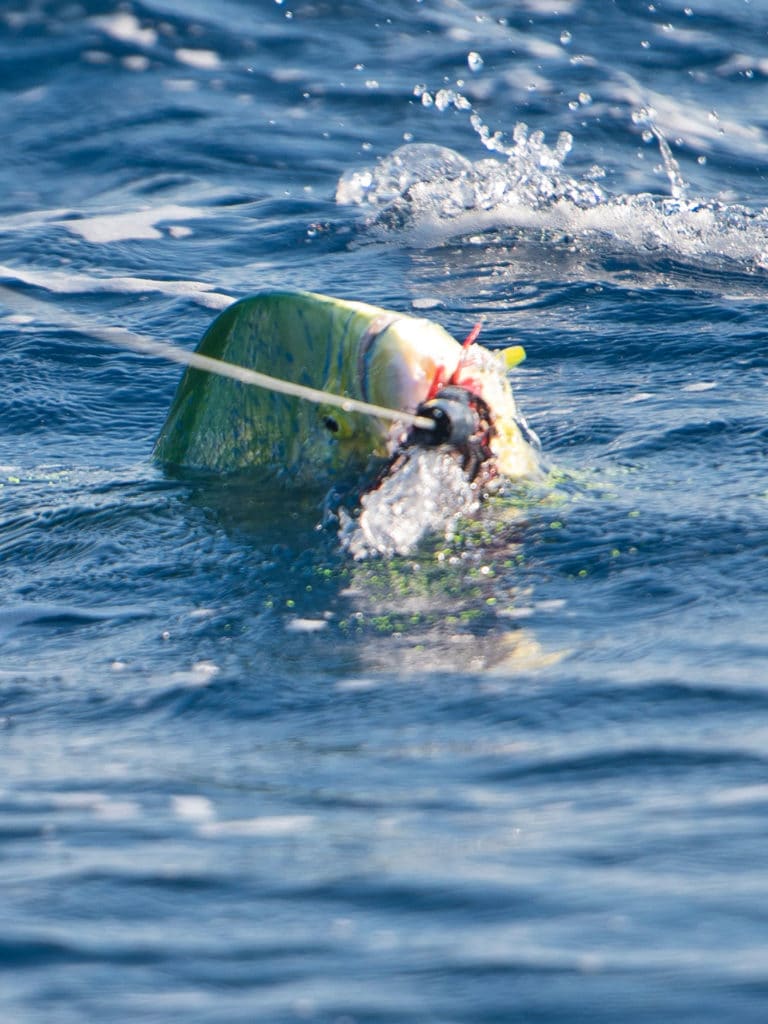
425,195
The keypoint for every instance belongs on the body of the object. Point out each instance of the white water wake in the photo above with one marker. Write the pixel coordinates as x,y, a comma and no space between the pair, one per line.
425,194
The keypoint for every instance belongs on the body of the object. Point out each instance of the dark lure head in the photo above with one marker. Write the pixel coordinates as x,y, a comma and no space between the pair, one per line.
462,422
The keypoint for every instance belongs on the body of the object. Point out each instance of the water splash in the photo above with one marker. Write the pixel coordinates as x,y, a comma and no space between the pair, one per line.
531,177
424,195
647,116
428,494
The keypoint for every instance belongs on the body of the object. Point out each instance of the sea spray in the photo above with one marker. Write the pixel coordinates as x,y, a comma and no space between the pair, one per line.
424,195
428,494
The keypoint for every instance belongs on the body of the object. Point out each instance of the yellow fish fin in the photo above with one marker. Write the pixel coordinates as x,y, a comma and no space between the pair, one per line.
512,356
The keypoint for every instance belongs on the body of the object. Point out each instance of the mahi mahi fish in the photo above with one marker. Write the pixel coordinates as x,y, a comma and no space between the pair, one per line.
348,348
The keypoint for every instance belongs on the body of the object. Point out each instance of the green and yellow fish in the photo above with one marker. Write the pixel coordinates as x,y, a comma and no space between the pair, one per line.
348,348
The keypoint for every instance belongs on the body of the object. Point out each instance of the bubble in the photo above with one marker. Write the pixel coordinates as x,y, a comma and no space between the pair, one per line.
475,61
428,494
644,115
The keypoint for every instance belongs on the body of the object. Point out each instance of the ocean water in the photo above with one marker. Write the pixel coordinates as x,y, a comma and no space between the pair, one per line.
517,777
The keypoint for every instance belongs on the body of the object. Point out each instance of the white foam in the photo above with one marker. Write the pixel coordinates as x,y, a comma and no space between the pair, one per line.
736,795
427,494
198,675
126,28
99,804
358,684
65,282
204,60
77,800
117,810
274,825
193,808
306,625
135,224
411,197
135,62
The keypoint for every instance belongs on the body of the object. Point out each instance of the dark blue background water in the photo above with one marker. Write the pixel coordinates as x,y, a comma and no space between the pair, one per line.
244,779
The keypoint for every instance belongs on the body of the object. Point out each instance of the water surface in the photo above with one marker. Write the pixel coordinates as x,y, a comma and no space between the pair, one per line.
520,776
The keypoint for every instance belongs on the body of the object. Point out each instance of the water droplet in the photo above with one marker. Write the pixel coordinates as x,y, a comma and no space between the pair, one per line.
647,135
701,160
565,38
475,61
688,11
443,99
645,44
426,99
584,98
371,83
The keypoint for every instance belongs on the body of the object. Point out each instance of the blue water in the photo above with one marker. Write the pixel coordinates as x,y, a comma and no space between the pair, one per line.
519,779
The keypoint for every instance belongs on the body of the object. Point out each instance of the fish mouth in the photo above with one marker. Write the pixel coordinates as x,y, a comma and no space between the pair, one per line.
463,423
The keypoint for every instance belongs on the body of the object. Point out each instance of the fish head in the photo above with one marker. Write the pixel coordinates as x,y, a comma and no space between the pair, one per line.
483,374
399,363
411,361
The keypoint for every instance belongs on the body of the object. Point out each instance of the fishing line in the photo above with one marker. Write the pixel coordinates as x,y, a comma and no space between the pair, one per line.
148,346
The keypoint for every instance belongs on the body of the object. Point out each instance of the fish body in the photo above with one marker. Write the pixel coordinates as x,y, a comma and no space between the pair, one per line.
347,348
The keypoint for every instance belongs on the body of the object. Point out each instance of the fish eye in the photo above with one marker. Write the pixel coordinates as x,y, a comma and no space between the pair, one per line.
331,424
